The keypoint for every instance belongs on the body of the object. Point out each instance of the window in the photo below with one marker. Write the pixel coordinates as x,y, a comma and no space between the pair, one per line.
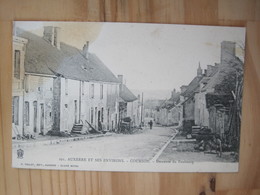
26,113
91,116
102,115
66,86
95,115
15,113
75,111
92,90
82,88
17,56
101,91
26,84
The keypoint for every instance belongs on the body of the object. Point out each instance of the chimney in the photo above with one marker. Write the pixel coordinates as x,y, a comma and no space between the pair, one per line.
120,78
85,50
52,35
228,50
173,93
205,72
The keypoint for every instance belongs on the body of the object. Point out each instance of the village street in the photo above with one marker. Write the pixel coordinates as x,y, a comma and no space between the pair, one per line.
143,145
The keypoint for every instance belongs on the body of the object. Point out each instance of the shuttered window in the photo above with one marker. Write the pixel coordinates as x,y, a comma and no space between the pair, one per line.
15,113
26,113
17,56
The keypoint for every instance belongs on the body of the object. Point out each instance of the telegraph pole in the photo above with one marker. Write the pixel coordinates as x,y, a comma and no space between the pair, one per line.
142,104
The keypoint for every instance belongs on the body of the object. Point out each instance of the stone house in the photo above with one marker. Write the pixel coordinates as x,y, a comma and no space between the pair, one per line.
201,113
130,105
63,86
170,111
222,91
188,101
18,77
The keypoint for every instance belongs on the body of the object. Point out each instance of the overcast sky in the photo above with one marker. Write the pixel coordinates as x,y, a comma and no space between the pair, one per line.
150,56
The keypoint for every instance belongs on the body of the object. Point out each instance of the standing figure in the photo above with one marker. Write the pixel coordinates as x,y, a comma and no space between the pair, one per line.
151,124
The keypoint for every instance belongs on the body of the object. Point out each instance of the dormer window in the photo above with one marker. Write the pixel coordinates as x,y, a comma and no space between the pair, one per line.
17,62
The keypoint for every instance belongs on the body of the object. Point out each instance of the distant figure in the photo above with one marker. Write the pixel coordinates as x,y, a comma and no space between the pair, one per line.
151,124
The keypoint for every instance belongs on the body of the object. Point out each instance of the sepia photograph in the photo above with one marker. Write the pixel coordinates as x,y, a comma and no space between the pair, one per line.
136,97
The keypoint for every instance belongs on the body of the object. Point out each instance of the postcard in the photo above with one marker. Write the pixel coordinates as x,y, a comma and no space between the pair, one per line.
126,96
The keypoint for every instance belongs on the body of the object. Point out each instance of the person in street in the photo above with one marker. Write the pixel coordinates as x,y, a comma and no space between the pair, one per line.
151,124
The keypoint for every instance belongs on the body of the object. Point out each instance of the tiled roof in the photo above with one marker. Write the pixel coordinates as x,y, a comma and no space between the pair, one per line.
171,102
42,58
193,85
126,94
223,81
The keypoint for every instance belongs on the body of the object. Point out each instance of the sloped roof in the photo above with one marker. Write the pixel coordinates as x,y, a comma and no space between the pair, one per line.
42,58
153,103
171,102
193,85
224,80
126,94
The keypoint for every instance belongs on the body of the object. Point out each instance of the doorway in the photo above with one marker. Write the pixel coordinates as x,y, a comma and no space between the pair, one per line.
75,111
99,116
35,116
42,119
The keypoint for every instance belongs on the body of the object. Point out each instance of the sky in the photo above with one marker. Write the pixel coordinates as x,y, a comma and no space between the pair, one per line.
149,56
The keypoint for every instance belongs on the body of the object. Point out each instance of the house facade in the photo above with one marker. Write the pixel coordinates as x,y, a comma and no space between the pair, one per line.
169,113
19,49
130,105
188,101
223,91
218,90
60,86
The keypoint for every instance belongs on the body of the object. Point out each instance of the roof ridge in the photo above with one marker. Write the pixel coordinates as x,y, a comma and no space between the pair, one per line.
42,58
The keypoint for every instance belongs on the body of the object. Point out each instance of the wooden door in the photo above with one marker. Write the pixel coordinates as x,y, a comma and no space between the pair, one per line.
35,116
75,111
42,119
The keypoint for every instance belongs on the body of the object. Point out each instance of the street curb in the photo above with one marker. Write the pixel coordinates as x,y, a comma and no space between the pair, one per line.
157,155
55,141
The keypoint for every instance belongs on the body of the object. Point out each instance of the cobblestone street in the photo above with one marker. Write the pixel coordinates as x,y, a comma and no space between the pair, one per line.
143,145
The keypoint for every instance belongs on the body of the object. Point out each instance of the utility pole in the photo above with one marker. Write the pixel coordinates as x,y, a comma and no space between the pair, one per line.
142,103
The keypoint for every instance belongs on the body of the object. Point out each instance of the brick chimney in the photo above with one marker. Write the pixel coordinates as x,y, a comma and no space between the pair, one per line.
120,78
173,95
52,35
85,50
228,51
